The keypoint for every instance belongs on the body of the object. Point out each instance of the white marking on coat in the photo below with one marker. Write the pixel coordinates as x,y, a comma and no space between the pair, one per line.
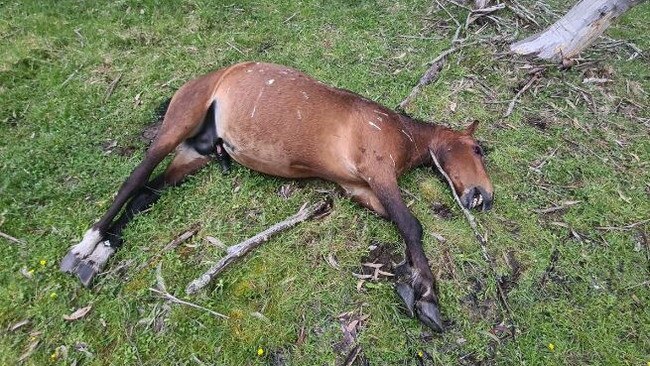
299,114
304,94
270,81
374,125
407,135
391,158
256,101
380,112
249,70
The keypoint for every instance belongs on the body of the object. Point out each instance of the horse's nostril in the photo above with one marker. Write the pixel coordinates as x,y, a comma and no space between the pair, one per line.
487,199
469,198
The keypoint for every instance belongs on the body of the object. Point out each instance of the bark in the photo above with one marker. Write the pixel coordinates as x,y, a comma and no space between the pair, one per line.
575,31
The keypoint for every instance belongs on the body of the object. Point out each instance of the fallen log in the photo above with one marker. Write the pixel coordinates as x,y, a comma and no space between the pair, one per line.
575,31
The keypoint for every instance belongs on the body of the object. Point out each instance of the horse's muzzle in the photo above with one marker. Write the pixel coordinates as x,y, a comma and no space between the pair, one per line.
477,197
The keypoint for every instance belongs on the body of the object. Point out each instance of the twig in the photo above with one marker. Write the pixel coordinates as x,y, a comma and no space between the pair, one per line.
111,88
171,245
457,43
67,80
459,5
235,48
448,13
638,285
239,250
172,298
522,12
290,17
481,238
521,91
429,76
562,206
625,227
11,238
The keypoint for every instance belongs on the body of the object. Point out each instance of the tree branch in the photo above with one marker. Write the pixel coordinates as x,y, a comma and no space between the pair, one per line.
239,250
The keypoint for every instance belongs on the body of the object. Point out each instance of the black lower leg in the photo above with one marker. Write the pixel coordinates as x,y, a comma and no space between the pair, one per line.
142,200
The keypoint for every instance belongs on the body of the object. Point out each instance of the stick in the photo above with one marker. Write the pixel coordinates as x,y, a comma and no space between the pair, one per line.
625,227
169,297
11,238
239,250
521,91
429,76
111,88
171,245
456,44
481,238
562,206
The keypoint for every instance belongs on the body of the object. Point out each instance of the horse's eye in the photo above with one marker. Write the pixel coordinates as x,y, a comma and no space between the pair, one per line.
478,151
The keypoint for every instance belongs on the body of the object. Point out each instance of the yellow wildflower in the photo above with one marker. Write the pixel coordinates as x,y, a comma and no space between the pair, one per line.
260,352
53,295
551,347
43,262
54,356
420,354
31,271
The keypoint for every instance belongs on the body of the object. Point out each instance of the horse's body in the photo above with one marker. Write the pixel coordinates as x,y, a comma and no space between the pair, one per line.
278,121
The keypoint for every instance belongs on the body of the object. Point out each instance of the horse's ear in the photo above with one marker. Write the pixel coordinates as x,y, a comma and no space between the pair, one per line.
471,128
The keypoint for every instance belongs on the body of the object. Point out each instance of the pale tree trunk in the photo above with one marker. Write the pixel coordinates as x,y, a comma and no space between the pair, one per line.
575,31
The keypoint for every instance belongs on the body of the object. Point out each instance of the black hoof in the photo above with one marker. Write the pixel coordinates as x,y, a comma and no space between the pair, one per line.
418,296
429,314
407,294
69,263
86,273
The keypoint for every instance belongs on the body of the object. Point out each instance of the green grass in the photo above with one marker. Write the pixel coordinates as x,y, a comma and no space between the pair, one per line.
57,60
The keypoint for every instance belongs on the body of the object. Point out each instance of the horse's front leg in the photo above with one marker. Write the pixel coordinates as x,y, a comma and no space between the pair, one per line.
415,281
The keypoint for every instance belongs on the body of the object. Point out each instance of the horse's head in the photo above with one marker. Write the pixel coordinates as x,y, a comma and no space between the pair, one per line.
463,161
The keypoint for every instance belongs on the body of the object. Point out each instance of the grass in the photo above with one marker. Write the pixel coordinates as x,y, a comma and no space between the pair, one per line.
582,289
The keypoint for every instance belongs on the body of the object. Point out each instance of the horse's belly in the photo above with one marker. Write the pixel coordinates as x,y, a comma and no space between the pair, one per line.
268,159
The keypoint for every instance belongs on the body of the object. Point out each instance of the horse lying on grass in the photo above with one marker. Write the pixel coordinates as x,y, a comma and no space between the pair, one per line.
278,121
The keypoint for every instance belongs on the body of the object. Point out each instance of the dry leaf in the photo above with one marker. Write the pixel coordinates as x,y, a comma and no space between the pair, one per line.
331,260
78,314
18,325
360,285
216,242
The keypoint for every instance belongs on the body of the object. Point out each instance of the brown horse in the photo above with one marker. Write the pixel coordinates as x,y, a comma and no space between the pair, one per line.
278,121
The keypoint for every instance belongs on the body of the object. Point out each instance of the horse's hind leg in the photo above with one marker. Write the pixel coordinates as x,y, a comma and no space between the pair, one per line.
136,180
186,162
185,114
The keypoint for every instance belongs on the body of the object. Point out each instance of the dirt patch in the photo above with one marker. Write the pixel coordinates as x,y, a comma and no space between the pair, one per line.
150,132
279,357
509,281
383,254
554,282
537,122
477,307
442,211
